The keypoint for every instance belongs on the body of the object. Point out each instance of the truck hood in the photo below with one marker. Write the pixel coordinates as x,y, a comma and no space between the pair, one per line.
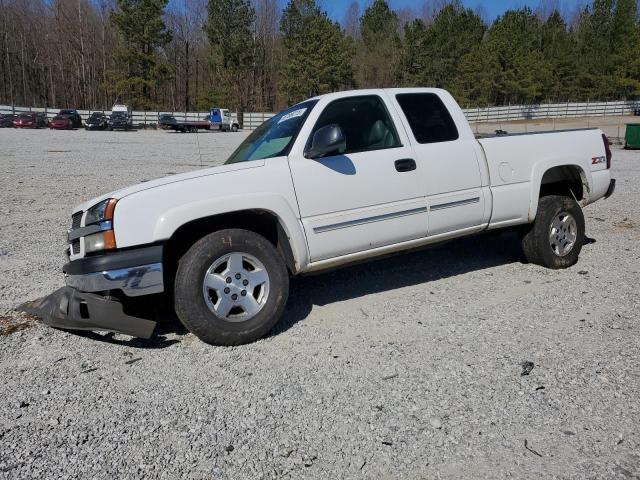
160,182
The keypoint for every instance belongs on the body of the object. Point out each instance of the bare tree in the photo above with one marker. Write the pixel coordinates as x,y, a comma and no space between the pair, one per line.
185,19
352,20
405,16
546,7
431,8
267,46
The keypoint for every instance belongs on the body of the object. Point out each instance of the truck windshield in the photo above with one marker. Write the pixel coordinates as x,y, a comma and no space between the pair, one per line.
274,137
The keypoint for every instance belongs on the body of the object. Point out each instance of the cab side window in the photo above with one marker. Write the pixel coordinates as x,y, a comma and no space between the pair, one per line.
365,122
428,118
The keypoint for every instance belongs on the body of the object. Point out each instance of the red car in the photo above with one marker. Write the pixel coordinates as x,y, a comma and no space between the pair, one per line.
30,120
61,122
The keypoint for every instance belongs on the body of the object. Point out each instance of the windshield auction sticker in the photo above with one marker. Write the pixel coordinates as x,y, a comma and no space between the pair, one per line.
294,114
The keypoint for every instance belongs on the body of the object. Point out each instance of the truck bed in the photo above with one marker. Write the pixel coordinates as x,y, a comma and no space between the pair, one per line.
504,133
517,164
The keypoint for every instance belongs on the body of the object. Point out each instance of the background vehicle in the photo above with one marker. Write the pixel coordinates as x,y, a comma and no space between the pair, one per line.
221,119
166,121
190,126
335,179
30,120
73,115
121,108
6,121
120,121
61,122
97,121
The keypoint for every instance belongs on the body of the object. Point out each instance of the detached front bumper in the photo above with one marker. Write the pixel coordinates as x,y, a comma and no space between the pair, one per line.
70,309
87,302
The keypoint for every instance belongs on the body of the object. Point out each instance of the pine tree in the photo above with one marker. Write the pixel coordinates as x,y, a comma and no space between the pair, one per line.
380,47
432,55
317,52
143,30
228,29
514,44
476,82
625,46
559,49
595,65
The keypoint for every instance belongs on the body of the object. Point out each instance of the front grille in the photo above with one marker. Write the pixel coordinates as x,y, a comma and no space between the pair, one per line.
75,220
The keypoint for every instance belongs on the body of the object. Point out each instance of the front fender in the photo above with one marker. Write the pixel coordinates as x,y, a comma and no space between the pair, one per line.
153,215
171,220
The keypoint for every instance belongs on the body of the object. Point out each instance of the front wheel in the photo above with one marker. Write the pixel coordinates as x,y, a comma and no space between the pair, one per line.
231,287
555,238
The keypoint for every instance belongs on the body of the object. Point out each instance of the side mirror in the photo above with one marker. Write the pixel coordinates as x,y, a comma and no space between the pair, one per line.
327,140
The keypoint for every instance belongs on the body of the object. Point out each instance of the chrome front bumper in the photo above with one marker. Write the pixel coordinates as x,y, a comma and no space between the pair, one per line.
135,272
133,281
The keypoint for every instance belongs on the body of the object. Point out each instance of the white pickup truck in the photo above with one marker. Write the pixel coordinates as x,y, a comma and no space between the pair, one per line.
334,179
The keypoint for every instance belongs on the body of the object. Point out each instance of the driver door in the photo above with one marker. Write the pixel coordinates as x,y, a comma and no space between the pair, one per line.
366,196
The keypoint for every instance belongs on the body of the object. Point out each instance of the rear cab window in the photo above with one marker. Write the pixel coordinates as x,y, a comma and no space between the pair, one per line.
429,119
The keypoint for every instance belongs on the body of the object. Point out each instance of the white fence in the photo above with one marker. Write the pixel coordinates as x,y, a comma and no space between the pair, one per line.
251,120
551,110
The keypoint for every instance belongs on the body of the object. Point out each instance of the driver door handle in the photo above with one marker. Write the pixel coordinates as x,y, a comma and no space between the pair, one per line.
405,165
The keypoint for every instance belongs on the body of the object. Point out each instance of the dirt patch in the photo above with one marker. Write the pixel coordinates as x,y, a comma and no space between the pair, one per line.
626,223
16,322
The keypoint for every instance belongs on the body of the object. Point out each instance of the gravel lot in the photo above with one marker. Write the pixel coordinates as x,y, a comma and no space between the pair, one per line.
408,367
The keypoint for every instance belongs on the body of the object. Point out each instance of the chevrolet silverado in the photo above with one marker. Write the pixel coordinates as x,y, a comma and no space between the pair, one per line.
332,180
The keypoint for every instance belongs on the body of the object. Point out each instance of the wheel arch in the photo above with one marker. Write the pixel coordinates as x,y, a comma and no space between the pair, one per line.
261,221
558,178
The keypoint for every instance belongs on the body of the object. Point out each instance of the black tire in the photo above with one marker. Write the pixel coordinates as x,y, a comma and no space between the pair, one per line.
234,128
189,300
536,243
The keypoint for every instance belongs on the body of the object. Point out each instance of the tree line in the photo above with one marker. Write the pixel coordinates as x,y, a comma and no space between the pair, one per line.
249,55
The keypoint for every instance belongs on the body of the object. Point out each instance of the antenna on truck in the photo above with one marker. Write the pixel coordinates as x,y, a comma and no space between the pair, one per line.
198,143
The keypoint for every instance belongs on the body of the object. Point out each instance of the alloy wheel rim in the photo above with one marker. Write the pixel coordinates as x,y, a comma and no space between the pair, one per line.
563,234
236,287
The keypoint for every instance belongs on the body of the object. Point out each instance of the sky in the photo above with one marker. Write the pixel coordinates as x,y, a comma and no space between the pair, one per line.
337,8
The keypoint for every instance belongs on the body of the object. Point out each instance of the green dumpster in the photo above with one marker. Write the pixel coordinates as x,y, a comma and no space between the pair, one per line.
632,136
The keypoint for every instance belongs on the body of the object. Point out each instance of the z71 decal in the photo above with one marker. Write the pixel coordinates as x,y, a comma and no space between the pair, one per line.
597,160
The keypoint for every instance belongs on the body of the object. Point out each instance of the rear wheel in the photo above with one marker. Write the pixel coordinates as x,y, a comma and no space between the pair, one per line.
231,287
555,238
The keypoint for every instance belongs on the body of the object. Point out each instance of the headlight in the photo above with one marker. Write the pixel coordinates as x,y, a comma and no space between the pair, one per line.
100,241
101,212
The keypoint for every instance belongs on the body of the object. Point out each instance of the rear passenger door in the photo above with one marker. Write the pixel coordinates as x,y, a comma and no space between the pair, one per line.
367,196
447,161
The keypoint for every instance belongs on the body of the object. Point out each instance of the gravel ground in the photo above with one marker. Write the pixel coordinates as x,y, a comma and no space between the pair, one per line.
409,367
